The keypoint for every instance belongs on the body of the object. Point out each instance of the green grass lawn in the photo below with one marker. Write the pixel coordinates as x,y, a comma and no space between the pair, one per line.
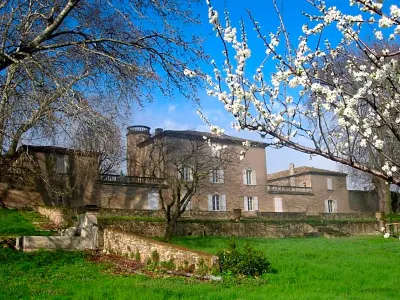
315,268
19,223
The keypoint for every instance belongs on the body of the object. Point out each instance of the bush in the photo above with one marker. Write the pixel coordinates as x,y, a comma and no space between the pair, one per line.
247,261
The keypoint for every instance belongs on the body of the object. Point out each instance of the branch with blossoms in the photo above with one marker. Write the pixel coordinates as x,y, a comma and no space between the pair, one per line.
310,102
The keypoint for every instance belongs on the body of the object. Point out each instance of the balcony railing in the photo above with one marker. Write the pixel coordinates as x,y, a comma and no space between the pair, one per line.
118,179
279,189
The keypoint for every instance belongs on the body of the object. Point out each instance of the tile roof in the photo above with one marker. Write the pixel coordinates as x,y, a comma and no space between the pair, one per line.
53,149
187,134
303,170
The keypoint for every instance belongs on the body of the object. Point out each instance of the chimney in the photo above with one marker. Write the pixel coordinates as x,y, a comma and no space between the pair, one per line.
291,169
291,172
158,131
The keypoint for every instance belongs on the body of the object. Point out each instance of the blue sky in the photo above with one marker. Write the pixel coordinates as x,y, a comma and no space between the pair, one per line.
181,114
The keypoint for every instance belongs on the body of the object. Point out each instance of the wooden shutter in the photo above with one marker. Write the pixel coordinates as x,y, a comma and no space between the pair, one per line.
334,204
255,203
244,177
329,183
253,177
221,176
152,201
245,204
180,169
222,203
211,176
326,206
190,173
210,204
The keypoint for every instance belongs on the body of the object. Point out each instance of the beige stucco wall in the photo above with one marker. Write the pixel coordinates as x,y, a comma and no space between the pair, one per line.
316,203
301,180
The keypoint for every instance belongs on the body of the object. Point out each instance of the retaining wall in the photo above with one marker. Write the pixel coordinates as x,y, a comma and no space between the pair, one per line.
239,229
128,245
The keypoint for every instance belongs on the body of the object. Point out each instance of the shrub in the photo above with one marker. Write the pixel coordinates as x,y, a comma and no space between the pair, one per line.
247,261
155,257
168,265
137,256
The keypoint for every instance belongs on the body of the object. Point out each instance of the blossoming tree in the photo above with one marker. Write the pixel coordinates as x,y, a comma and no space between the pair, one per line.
355,105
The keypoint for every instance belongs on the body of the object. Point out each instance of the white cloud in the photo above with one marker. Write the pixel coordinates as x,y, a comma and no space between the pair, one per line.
171,108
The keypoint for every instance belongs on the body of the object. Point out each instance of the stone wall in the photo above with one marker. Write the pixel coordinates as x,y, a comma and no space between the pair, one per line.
344,216
256,228
282,215
60,216
356,228
202,215
114,212
128,244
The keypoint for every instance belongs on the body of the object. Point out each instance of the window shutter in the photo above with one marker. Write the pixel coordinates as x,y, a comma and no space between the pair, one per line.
255,203
223,203
66,164
179,172
245,204
335,206
253,177
211,176
329,183
210,206
244,177
190,174
221,174
326,206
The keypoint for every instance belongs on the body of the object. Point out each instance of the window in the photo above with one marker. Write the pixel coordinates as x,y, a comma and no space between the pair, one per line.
186,173
60,200
330,206
329,184
217,176
215,202
249,177
250,203
61,164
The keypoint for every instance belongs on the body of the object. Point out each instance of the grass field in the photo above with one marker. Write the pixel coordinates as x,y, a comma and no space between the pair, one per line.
318,268
19,223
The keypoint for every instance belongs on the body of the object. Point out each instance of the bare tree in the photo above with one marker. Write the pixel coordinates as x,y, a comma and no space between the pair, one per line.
103,140
184,166
67,61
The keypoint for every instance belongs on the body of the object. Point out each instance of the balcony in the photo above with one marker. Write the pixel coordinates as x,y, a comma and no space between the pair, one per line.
134,180
292,190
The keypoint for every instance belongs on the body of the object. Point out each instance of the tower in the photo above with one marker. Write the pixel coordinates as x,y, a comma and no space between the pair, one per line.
136,134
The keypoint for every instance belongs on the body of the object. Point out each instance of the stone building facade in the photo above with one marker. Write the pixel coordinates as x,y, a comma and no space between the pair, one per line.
237,185
307,189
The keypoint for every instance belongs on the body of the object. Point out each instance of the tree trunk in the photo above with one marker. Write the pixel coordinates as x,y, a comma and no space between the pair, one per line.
169,230
3,194
383,191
